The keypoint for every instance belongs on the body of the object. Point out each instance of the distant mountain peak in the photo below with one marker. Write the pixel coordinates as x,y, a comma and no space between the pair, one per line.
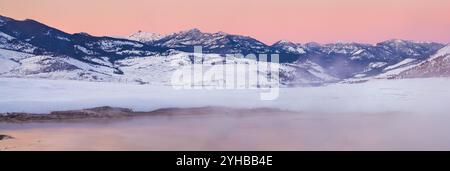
283,42
145,37
395,41
194,30
290,46
344,42
403,42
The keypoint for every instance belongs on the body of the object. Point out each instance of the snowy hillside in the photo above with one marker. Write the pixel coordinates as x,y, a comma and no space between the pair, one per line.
155,70
438,65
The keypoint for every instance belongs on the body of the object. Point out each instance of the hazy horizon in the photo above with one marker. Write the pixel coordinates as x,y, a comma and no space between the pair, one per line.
322,21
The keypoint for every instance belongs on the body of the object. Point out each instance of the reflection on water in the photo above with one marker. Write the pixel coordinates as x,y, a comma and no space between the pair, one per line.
274,131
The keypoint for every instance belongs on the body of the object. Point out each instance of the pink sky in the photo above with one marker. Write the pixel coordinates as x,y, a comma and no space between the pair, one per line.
301,21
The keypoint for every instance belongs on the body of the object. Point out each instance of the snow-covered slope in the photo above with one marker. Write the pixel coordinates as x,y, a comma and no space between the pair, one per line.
306,73
438,65
65,68
393,71
445,51
7,65
9,42
9,60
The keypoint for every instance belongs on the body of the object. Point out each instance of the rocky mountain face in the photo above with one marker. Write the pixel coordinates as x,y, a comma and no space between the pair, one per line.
32,49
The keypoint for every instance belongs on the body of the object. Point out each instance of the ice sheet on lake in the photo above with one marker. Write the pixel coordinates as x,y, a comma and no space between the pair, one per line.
423,96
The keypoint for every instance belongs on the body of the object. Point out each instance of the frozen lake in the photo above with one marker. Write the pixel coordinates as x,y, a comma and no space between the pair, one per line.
423,96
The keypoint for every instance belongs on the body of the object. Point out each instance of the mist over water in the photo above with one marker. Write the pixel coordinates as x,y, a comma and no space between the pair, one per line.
410,114
249,131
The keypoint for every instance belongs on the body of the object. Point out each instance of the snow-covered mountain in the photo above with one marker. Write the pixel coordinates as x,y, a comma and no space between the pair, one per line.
32,49
438,65
33,37
284,45
219,43
356,60
145,37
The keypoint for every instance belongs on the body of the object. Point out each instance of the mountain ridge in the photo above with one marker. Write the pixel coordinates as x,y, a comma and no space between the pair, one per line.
54,51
